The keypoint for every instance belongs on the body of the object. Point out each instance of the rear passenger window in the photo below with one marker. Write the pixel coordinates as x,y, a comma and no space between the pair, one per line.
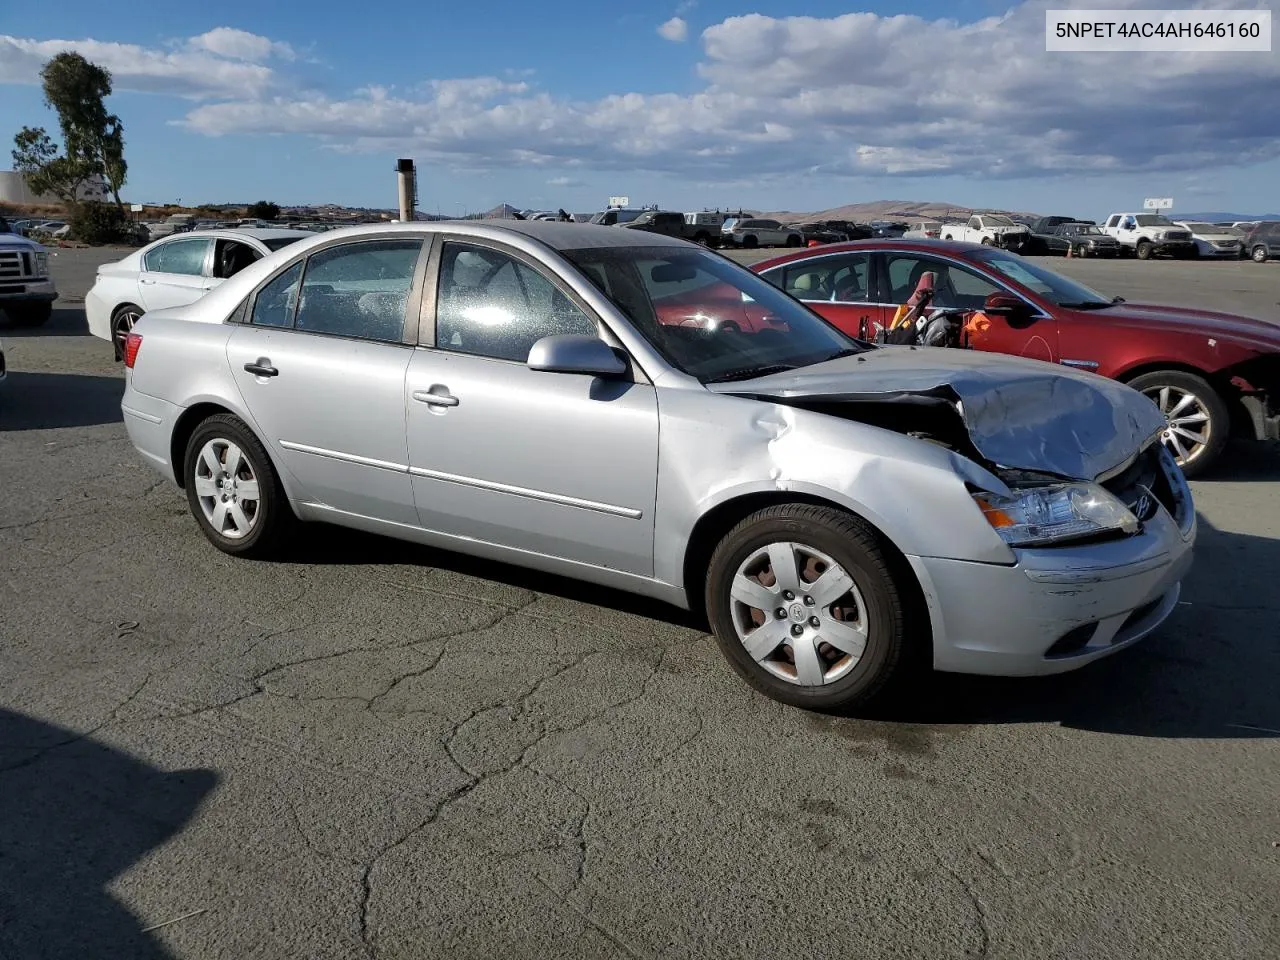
274,305
359,290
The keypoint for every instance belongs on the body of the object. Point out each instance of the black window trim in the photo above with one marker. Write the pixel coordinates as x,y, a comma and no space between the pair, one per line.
427,321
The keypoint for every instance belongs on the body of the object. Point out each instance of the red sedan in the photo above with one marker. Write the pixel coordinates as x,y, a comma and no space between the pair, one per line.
1213,375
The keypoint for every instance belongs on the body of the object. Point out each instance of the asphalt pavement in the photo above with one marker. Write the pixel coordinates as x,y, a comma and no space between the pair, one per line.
381,750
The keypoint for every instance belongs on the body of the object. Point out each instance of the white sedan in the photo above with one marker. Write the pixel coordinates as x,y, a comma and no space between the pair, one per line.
173,272
1212,240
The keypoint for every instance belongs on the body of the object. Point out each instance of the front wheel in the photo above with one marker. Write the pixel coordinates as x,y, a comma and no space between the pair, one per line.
233,489
749,242
30,314
986,241
794,240
806,608
1144,250
1259,254
1197,421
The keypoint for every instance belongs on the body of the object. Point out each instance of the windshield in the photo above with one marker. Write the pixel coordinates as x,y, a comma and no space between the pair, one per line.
1152,220
1081,229
1051,286
275,243
1204,227
706,315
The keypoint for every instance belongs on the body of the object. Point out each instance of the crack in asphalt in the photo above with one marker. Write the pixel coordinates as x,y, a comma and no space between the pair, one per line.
477,779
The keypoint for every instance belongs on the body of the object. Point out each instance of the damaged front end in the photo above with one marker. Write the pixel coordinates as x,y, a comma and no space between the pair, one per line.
1077,457
1005,413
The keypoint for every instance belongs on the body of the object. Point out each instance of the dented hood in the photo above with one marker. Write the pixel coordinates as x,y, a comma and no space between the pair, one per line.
1020,414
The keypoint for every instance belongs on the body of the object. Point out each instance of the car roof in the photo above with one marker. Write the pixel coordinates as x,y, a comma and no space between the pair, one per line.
557,235
955,248
252,233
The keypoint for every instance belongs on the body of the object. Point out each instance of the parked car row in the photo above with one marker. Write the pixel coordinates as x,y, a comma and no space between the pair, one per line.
1148,235
658,418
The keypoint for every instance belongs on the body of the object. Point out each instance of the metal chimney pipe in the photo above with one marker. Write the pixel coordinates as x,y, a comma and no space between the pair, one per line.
406,174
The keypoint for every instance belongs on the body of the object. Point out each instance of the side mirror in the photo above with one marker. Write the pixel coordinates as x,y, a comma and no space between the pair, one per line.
1005,305
576,353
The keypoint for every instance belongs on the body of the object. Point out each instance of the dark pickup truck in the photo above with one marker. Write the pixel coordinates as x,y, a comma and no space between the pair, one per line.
1066,237
673,225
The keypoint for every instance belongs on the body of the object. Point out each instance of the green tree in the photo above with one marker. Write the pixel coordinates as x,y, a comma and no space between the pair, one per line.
77,90
264,210
45,171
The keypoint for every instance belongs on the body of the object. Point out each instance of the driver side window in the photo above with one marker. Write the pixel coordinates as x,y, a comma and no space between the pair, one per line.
954,286
492,305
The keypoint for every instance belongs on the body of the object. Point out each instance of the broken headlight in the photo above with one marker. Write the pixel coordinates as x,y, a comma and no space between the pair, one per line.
1053,514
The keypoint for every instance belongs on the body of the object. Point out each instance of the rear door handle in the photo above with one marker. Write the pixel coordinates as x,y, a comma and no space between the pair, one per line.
145,280
262,368
435,399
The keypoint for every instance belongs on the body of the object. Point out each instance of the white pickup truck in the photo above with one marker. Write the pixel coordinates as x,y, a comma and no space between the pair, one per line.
1147,234
26,290
991,230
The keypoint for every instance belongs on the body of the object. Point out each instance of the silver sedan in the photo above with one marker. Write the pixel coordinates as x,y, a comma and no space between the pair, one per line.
639,412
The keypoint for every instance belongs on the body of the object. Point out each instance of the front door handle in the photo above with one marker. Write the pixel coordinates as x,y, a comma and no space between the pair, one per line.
435,399
145,280
262,368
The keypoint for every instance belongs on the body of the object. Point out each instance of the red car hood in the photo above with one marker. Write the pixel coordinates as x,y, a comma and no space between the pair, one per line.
1224,326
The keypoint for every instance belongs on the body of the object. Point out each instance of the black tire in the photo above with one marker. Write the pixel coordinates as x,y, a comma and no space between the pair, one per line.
1193,253
795,240
122,320
1144,250
1259,254
274,521
30,315
1215,406
986,241
891,652
947,237
703,238
749,242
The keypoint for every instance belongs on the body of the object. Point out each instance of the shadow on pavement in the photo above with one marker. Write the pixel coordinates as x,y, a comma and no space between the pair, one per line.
43,401
1249,461
75,814
67,321
1206,673
324,544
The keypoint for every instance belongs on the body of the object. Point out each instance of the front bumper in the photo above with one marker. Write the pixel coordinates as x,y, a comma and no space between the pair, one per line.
1012,241
1056,609
1173,246
27,290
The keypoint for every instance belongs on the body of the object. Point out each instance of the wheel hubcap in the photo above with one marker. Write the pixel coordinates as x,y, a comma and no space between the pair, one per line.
124,324
227,488
1187,424
798,614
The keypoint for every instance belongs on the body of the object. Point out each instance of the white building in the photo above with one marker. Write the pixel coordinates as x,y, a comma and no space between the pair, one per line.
14,189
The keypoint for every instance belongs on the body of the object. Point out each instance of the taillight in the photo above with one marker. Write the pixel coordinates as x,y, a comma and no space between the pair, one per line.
132,342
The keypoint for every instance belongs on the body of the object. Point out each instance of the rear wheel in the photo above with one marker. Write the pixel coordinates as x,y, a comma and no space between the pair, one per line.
122,322
806,608
986,241
233,489
1259,254
30,314
1144,250
795,240
750,242
1197,421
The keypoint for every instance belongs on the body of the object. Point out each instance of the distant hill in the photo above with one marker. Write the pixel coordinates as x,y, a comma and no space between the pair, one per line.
890,210
1216,215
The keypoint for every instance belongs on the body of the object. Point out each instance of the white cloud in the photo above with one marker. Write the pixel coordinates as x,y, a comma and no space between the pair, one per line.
241,45
186,72
676,30
564,182
858,95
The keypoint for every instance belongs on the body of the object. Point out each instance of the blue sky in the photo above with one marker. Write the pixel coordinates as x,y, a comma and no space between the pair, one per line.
796,105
